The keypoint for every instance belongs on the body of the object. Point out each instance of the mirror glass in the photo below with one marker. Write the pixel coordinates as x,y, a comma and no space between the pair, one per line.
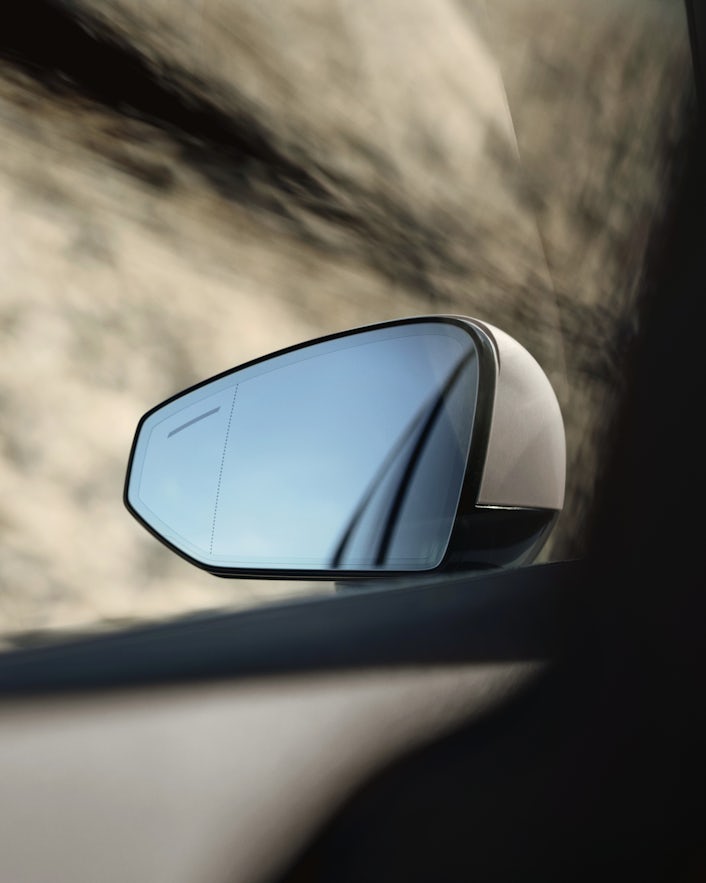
347,454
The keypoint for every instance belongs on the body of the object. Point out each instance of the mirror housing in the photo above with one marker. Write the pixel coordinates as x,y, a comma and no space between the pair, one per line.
429,444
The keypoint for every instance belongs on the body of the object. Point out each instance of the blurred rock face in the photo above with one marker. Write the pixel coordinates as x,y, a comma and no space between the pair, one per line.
185,186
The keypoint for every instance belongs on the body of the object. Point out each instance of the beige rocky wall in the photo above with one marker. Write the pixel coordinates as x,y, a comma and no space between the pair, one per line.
506,161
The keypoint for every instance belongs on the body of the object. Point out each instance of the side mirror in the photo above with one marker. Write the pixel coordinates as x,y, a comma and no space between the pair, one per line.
426,444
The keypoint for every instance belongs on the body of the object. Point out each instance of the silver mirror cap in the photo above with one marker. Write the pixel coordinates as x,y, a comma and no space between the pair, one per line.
525,463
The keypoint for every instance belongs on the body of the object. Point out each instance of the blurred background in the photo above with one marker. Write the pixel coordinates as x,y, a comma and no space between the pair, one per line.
188,184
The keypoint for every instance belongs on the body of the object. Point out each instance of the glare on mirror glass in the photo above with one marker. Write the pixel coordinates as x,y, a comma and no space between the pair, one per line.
346,454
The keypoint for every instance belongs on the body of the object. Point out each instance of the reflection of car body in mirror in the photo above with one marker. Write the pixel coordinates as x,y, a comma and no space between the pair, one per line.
426,444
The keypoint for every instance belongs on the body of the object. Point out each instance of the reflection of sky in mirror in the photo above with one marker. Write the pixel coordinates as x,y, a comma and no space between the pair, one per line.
179,476
267,466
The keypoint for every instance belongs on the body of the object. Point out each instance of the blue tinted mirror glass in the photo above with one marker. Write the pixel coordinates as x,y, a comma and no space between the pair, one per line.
346,454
